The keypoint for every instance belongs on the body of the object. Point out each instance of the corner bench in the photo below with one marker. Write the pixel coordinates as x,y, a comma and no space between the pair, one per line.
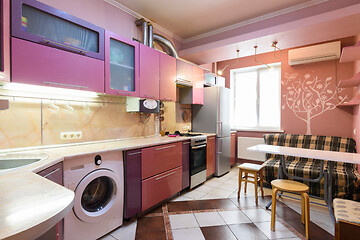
346,179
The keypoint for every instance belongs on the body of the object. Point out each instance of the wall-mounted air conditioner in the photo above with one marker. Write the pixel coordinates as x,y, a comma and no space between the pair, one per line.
316,53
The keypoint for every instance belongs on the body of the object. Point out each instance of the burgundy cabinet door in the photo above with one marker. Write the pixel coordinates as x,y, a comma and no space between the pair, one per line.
155,160
121,65
210,156
160,187
132,166
149,72
167,77
41,65
184,70
185,164
55,174
198,85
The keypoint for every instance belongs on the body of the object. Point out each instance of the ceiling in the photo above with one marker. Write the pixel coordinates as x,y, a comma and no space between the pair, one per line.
190,18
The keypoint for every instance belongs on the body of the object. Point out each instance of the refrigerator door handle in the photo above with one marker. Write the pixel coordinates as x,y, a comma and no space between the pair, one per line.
219,129
220,146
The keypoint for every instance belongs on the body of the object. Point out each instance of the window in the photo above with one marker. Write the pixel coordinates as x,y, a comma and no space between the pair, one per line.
255,101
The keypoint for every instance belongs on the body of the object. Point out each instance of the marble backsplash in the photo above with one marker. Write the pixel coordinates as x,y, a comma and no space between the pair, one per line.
33,122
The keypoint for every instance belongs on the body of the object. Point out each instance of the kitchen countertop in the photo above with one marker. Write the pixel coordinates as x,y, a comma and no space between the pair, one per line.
30,205
20,218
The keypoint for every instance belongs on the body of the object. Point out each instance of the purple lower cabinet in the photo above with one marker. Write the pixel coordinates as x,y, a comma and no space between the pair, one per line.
55,174
132,183
185,164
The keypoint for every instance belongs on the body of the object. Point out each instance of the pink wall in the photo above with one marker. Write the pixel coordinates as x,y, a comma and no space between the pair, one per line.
104,15
356,110
335,122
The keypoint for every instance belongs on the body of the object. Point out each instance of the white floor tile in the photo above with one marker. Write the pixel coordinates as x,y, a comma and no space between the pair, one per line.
204,188
234,217
220,192
280,230
229,187
189,233
194,194
181,198
180,221
257,215
209,219
210,196
107,237
212,183
127,231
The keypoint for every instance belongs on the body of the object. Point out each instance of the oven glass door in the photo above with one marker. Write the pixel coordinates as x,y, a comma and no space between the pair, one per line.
197,160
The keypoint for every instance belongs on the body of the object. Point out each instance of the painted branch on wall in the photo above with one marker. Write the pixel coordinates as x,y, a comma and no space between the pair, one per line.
309,97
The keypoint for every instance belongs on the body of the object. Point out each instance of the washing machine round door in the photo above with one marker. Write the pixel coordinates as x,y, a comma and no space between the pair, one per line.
96,194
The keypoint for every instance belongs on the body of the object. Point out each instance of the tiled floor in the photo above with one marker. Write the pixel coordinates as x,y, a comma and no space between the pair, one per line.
212,211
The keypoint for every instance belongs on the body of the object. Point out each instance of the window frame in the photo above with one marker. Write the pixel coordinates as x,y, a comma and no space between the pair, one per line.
256,69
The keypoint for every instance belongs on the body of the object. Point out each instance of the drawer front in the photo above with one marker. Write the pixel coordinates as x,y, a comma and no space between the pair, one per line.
160,187
155,160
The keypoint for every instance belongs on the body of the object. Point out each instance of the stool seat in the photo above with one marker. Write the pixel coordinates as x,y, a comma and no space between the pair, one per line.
347,210
251,166
289,186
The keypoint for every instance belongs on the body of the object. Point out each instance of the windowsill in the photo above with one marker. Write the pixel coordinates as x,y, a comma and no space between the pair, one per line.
257,130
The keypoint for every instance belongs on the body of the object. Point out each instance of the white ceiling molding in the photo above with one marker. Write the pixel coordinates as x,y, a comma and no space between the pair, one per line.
257,19
137,15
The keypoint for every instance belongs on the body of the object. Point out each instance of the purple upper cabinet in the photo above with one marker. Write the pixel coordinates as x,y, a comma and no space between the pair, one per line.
5,41
149,72
121,65
167,78
42,24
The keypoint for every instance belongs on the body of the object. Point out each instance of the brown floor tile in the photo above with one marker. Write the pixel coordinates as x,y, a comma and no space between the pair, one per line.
161,235
247,231
244,202
201,205
316,232
150,224
286,213
218,232
178,206
223,204
156,210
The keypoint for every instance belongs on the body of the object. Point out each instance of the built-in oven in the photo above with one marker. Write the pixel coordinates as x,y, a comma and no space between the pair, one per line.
197,160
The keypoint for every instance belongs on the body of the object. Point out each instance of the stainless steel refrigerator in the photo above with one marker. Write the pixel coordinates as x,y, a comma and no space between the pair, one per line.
213,117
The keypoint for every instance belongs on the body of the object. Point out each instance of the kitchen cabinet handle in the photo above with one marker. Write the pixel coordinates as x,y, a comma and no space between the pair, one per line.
197,147
149,96
63,84
210,138
135,153
185,143
124,93
167,99
50,173
165,176
63,46
157,149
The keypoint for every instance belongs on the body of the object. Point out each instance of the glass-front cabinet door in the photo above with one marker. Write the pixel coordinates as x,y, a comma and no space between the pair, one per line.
40,23
121,65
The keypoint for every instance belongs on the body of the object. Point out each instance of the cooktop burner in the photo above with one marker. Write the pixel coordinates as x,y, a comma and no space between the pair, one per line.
187,134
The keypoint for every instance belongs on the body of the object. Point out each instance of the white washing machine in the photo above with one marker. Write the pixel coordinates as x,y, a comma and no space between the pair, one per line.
98,183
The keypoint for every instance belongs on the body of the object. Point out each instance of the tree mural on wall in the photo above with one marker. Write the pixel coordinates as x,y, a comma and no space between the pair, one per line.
310,97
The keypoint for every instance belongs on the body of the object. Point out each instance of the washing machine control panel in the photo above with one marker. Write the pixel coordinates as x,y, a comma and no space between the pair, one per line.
98,160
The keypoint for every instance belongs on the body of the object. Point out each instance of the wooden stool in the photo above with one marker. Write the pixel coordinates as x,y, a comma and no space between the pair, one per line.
347,219
295,187
254,169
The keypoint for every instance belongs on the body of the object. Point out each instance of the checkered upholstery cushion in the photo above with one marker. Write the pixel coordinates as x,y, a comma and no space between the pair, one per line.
346,179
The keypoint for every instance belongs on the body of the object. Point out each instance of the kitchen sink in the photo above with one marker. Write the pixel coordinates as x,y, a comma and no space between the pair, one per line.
16,160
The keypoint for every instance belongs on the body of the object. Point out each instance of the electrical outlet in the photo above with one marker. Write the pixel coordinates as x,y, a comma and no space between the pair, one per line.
71,135
186,128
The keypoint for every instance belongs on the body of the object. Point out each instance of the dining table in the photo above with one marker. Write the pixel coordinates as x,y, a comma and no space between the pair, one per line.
330,156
